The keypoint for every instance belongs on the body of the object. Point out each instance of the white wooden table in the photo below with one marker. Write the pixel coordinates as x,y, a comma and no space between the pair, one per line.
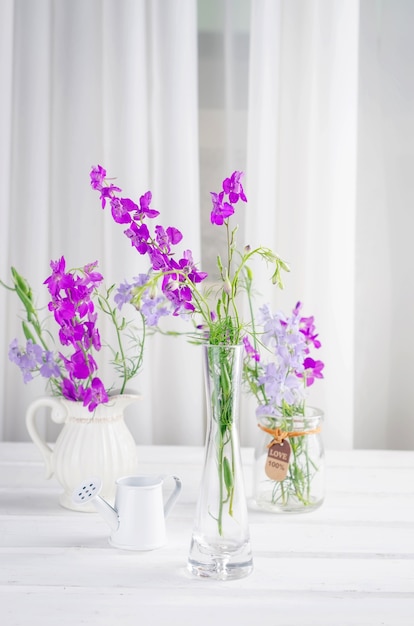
350,562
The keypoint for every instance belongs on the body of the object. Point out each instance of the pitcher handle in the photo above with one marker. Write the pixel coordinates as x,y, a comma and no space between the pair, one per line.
58,415
173,497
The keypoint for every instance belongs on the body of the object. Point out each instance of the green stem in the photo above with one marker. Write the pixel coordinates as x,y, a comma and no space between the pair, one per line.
221,479
127,373
233,469
106,308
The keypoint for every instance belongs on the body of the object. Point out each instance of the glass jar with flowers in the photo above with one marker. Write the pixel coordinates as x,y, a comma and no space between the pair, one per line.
94,439
220,546
289,458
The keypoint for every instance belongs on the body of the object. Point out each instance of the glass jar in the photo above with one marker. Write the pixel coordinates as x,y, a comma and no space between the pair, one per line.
289,464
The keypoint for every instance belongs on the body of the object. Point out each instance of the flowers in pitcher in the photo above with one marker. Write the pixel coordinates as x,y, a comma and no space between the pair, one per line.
76,297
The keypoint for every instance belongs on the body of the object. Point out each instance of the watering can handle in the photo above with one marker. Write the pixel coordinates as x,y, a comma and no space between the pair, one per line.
173,497
58,415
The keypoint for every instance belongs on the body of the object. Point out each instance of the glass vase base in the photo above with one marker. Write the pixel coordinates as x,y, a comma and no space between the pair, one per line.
218,561
297,507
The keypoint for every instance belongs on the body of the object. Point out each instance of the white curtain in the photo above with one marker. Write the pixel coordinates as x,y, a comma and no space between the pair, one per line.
330,162
384,343
312,98
110,82
302,175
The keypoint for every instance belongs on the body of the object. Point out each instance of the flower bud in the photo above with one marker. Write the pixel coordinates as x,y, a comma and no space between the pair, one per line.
227,287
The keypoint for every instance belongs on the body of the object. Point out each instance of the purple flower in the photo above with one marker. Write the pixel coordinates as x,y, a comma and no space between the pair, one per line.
139,236
69,390
290,340
280,386
58,279
120,212
268,410
313,369
67,333
187,266
63,309
28,359
90,336
123,295
250,350
49,368
153,308
144,207
72,293
97,175
166,238
14,351
124,292
95,394
221,210
307,328
177,277
129,206
91,276
79,365
179,294
233,188
108,192
160,261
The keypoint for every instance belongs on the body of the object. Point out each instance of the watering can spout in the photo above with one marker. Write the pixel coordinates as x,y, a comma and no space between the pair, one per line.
88,491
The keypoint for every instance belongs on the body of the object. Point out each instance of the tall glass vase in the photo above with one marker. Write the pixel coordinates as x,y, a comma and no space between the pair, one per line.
220,545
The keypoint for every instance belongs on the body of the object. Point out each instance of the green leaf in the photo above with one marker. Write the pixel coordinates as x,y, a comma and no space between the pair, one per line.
228,474
27,332
249,273
20,282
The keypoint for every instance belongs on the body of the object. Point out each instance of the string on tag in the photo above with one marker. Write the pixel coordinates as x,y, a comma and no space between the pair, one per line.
280,435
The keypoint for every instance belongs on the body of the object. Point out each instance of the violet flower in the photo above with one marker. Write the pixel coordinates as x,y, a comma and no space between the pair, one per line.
280,383
73,374
221,210
254,354
176,277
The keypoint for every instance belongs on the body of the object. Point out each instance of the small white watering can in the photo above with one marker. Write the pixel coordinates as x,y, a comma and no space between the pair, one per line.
137,520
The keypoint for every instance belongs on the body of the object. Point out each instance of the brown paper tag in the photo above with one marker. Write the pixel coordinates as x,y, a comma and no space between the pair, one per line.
277,461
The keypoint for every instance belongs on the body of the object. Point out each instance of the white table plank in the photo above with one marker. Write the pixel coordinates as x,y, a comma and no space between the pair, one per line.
222,607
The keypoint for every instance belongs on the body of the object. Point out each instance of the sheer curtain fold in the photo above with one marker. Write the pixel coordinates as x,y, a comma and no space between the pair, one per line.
176,388
302,175
89,83
385,223
6,74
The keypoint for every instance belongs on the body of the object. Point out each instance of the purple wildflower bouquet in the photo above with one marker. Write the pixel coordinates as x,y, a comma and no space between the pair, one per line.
278,370
76,297
215,311
178,280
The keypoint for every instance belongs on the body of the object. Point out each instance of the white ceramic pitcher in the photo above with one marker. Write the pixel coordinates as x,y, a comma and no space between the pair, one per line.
89,444
137,520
